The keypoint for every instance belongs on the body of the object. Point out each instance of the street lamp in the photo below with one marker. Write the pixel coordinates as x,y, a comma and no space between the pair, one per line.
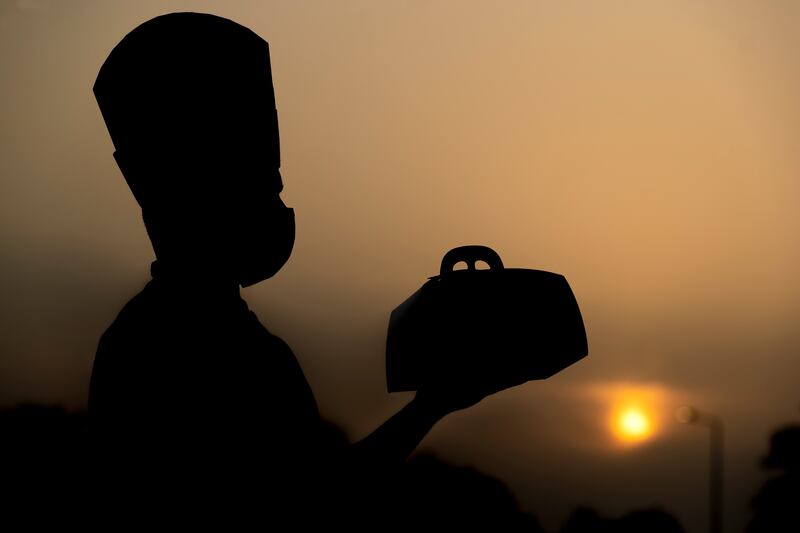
690,415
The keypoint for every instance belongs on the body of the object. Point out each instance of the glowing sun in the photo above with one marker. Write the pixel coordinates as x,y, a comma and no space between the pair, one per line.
632,424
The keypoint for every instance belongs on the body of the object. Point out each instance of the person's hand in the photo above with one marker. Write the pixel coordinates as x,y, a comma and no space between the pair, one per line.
444,394
440,399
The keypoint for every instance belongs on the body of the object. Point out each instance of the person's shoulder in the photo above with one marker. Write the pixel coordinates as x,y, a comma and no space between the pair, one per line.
274,352
112,357
136,310
278,369
268,339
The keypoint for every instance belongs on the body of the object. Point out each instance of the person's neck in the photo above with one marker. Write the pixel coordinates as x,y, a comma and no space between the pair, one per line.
191,277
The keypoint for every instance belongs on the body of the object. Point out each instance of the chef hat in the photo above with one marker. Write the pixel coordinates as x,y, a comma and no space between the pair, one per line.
189,82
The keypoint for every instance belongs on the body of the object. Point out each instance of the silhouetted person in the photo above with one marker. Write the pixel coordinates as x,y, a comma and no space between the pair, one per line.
776,507
190,393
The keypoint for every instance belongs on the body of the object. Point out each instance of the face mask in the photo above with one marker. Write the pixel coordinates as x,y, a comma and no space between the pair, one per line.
267,247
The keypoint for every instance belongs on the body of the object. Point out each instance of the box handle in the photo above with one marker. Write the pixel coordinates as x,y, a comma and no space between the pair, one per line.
470,255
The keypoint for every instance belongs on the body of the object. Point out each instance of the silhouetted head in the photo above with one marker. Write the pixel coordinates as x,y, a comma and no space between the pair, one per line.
189,104
784,450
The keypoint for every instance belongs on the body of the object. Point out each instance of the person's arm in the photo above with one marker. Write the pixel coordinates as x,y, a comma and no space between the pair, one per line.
395,439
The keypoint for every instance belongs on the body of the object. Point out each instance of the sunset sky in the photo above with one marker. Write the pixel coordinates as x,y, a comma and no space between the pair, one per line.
647,150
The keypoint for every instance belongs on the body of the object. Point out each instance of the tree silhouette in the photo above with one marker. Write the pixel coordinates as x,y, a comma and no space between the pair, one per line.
651,520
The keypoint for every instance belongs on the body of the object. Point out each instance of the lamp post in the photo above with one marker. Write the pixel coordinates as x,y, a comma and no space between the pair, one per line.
690,415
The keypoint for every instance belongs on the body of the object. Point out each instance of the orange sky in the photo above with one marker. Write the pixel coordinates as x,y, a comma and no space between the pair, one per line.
646,150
